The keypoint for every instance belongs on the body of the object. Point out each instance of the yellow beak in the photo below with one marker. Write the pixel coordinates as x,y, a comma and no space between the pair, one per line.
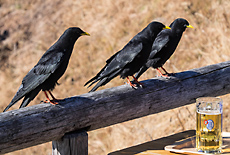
189,26
85,33
166,27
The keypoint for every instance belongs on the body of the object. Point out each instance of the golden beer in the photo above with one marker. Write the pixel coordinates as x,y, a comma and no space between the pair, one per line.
209,126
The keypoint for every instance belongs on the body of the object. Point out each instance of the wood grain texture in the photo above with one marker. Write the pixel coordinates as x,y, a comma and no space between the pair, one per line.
75,143
45,122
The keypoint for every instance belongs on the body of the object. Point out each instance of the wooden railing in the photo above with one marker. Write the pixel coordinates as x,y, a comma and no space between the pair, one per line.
45,122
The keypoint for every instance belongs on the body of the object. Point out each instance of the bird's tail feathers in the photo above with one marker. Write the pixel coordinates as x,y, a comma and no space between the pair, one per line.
96,78
19,95
11,103
91,80
104,80
141,71
25,102
29,97
99,84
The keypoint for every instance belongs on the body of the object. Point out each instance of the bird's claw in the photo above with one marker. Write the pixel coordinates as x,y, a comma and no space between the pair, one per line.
138,84
135,85
54,102
167,76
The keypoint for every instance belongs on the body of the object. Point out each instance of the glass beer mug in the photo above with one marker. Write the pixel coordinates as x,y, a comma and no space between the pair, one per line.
209,124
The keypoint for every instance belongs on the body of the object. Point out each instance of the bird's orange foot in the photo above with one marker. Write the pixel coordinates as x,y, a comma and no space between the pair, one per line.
141,84
131,84
54,102
165,75
134,85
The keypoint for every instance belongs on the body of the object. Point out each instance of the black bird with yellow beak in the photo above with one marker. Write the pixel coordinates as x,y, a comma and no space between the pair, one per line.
52,65
164,46
130,59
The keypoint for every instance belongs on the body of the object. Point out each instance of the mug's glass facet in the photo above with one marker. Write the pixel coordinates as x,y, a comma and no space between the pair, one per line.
209,124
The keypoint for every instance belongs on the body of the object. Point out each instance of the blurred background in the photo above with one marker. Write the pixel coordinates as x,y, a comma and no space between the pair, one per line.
29,28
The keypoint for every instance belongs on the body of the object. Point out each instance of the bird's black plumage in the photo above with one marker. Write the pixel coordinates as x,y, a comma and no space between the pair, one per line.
52,65
165,45
128,61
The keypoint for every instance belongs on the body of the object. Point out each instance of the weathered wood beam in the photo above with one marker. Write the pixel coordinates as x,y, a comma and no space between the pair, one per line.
74,143
45,122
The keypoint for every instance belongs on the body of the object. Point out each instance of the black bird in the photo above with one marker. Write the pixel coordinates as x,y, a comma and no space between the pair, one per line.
52,65
130,59
164,46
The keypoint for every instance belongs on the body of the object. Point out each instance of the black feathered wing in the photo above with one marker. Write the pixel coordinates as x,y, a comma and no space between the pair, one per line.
124,57
161,41
98,74
29,88
47,65
116,63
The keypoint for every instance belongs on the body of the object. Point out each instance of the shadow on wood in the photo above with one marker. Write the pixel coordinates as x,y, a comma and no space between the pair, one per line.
156,146
45,122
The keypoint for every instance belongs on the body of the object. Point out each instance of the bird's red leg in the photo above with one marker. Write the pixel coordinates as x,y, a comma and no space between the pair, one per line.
54,99
165,71
52,95
47,97
130,83
161,73
137,81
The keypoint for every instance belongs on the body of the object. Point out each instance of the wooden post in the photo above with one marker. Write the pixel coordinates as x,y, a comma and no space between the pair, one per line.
73,143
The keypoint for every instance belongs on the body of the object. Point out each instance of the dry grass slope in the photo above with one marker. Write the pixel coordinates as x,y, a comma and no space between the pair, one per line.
35,25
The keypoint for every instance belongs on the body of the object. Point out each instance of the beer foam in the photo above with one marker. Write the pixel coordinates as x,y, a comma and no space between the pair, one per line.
207,112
